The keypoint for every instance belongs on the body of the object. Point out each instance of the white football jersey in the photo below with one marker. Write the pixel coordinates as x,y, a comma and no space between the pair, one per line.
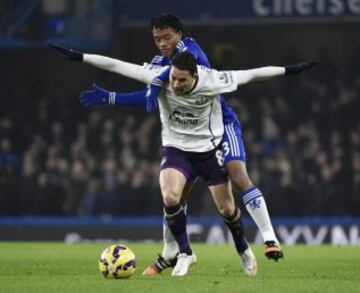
193,122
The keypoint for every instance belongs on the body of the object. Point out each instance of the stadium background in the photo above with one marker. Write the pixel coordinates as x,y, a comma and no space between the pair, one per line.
84,174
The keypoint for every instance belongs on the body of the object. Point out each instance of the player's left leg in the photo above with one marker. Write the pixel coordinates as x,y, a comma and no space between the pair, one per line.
234,160
210,167
231,214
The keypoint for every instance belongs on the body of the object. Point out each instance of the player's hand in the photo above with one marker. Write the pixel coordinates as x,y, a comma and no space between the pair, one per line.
70,54
97,97
154,88
298,68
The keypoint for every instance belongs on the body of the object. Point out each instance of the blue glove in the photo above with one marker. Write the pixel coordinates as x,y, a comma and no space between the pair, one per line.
97,97
298,68
154,88
70,54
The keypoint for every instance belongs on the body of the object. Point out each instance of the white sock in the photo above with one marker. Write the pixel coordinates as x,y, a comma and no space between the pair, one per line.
170,248
256,206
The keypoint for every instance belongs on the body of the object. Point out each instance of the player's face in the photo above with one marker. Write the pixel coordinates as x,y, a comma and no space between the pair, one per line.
166,40
181,81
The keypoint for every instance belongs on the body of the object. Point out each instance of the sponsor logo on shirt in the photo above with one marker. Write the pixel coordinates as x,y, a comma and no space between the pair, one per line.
183,116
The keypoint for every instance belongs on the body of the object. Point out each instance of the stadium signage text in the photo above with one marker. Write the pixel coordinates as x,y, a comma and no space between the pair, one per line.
265,8
217,234
335,235
312,231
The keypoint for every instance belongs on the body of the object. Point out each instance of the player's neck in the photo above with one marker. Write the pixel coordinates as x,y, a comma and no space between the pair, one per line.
194,84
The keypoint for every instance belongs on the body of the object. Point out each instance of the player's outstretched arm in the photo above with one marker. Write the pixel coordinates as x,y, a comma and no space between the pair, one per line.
127,69
220,82
268,72
98,96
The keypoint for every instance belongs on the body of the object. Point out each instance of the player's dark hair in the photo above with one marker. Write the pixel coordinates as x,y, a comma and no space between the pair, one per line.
185,61
166,20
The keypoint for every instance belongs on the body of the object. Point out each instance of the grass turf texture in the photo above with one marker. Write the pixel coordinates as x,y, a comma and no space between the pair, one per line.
56,267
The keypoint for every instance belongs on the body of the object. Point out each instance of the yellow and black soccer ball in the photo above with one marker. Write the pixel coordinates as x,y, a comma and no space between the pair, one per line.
117,262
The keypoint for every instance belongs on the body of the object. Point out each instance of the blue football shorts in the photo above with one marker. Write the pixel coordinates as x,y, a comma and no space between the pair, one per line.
232,144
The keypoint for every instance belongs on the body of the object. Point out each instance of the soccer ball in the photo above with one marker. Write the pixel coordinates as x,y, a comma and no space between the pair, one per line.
117,262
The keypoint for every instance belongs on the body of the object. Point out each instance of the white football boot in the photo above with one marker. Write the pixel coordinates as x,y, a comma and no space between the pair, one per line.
183,264
249,263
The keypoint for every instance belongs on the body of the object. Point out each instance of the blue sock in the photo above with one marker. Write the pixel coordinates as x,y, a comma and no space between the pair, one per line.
236,228
176,220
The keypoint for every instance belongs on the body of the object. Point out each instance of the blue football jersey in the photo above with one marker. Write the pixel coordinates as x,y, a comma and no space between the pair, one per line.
190,45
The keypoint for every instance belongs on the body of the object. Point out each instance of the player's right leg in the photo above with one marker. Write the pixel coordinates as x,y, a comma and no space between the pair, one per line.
175,172
168,257
172,182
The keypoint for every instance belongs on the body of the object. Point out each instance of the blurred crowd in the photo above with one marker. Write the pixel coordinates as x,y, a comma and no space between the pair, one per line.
304,146
302,137
105,164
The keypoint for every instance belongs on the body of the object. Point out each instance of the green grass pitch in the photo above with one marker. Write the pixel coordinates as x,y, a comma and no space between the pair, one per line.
57,267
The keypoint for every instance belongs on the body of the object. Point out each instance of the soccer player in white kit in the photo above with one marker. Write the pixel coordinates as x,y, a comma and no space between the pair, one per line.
191,115
167,32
